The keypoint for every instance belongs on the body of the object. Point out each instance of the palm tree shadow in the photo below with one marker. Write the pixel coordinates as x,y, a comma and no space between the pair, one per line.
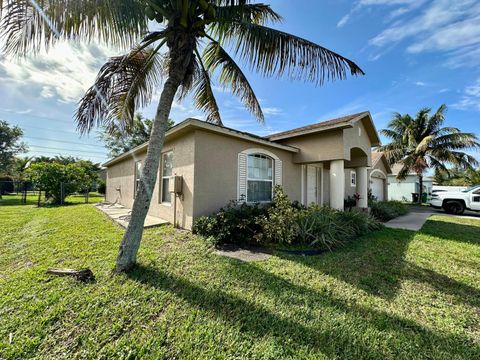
452,231
372,264
334,341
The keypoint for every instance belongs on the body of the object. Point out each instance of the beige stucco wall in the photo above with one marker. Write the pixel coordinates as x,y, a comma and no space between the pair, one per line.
357,137
317,147
216,170
121,176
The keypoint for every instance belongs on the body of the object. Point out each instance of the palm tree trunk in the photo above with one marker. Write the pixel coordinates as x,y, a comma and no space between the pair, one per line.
181,52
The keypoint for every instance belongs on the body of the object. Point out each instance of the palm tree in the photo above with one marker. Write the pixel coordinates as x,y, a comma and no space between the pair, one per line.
421,143
183,45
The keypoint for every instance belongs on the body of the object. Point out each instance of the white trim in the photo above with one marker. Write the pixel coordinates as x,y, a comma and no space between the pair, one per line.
380,171
321,185
353,172
302,187
252,151
206,126
162,177
272,180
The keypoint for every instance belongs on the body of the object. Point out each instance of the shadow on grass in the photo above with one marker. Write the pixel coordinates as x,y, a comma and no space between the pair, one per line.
377,264
449,230
372,264
339,337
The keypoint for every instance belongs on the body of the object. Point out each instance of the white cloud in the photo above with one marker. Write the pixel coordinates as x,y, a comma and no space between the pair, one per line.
64,72
452,27
272,111
407,6
471,97
420,83
343,20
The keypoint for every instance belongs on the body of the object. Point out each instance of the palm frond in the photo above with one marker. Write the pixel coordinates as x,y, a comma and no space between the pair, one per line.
436,120
124,84
456,140
232,76
203,94
255,13
28,26
272,52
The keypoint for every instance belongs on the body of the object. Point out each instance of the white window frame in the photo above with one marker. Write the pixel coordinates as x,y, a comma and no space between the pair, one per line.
163,177
353,178
242,171
263,180
136,177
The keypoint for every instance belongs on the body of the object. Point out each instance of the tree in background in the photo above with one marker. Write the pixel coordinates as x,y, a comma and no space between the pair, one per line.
457,177
421,143
187,46
118,141
59,180
10,145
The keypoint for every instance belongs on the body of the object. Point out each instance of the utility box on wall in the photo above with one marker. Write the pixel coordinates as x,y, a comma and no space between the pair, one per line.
175,184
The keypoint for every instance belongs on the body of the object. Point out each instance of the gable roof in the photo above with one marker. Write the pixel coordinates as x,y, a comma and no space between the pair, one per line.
380,156
192,124
343,122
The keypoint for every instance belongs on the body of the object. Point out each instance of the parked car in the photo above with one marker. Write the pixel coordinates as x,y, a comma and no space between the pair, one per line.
456,202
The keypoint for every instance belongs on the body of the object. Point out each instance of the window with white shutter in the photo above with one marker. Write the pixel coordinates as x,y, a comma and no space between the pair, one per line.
258,172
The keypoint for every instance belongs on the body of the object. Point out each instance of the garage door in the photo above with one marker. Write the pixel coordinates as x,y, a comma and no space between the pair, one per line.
378,188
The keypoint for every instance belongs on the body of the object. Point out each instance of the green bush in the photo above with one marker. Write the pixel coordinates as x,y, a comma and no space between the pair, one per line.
387,210
327,228
102,187
280,224
284,222
58,180
232,224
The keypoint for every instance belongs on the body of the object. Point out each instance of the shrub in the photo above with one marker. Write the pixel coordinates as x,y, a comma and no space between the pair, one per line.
360,222
327,228
101,187
279,225
387,210
6,185
58,180
232,224
320,227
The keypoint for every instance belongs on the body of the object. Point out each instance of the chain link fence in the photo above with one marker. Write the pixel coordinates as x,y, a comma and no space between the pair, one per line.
26,193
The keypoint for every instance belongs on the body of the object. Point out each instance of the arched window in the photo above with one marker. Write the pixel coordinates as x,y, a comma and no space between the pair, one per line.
259,178
258,172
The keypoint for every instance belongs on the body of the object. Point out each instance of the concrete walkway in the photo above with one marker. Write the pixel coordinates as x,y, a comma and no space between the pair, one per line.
121,215
418,215
414,220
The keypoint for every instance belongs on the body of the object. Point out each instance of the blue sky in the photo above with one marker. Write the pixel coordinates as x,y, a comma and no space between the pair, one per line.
416,53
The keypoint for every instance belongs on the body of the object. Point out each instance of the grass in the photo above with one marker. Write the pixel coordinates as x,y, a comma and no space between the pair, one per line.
390,295
32,199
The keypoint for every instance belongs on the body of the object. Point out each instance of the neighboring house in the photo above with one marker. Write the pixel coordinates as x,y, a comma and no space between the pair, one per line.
402,190
313,164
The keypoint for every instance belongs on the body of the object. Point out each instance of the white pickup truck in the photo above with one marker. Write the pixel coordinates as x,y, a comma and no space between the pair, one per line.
456,202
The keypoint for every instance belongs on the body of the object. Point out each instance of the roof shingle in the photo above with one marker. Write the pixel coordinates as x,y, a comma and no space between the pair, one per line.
323,124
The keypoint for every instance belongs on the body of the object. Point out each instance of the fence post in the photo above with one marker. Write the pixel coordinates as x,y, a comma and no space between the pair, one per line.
39,197
61,193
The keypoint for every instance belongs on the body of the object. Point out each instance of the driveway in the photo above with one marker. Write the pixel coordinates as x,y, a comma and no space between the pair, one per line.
418,215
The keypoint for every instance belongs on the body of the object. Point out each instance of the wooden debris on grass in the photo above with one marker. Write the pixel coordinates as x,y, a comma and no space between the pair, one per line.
80,275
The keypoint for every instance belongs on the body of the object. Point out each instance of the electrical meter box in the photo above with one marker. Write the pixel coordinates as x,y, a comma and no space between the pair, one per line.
175,184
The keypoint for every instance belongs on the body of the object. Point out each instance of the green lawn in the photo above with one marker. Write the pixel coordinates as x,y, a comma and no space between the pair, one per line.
33,199
390,295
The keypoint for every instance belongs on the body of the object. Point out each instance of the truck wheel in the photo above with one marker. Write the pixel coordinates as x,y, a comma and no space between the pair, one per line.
454,207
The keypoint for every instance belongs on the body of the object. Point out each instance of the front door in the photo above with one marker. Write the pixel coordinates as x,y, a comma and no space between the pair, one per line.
312,184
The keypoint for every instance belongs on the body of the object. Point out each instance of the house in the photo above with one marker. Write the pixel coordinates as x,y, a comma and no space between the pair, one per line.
319,163
378,176
402,190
